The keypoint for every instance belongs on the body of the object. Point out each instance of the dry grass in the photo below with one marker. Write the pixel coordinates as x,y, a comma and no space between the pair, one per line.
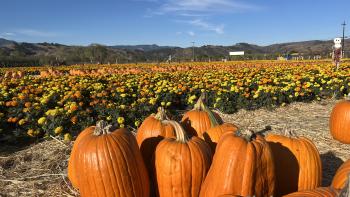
40,169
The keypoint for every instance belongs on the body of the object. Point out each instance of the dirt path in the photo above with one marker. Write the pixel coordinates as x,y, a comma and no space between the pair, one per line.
40,170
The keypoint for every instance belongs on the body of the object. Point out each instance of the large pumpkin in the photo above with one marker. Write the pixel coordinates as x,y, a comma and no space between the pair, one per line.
213,134
108,162
71,170
340,122
200,119
241,166
152,130
318,192
297,163
341,176
181,164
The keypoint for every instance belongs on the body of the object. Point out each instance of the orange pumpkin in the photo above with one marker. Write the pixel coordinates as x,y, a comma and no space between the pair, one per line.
241,166
108,162
152,130
71,168
212,135
318,192
341,176
200,119
297,163
340,122
181,164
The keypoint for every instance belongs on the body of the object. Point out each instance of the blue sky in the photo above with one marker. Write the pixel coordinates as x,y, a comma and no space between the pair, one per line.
172,22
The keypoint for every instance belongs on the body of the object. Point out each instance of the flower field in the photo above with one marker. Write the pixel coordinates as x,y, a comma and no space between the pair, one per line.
38,102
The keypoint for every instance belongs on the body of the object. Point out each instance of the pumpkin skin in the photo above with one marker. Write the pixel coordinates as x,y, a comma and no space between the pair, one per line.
200,119
340,122
297,164
110,164
151,132
71,170
181,164
318,192
240,167
212,135
341,176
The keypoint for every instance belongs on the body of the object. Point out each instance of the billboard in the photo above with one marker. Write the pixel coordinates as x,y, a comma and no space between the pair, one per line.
237,53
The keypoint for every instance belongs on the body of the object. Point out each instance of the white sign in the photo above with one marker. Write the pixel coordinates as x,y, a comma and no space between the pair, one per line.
237,53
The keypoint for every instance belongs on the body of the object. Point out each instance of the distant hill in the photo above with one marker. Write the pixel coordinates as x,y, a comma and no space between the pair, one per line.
141,47
20,53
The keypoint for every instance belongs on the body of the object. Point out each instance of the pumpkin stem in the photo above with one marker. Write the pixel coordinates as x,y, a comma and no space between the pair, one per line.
161,114
201,106
247,134
345,192
181,135
102,128
290,133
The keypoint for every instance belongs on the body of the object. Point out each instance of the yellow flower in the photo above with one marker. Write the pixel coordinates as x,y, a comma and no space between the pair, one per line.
163,103
22,122
41,120
67,137
58,130
122,126
109,118
120,120
30,132
123,95
168,104
137,123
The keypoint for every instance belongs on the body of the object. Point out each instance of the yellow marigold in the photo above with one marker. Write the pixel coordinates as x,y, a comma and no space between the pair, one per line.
67,137
120,120
137,123
41,120
58,130
22,122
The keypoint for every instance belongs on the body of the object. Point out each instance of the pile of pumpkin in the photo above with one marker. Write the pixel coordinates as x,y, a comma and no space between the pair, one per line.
201,156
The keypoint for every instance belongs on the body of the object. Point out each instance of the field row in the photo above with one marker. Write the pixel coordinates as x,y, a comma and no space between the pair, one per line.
63,104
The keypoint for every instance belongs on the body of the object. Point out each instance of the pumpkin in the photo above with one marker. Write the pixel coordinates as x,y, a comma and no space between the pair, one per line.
107,162
181,164
242,165
318,192
200,119
154,127
340,122
71,171
297,163
341,176
151,132
213,134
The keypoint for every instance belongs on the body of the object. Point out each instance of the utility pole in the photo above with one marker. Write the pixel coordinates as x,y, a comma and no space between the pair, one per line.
192,51
343,43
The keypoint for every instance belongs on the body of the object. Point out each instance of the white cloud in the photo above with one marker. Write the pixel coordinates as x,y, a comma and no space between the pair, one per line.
219,29
191,33
8,34
204,6
35,33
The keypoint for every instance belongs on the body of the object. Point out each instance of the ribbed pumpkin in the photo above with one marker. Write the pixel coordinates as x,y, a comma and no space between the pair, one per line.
200,118
181,164
152,130
71,170
318,192
340,122
242,165
154,127
341,176
297,163
212,135
108,162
